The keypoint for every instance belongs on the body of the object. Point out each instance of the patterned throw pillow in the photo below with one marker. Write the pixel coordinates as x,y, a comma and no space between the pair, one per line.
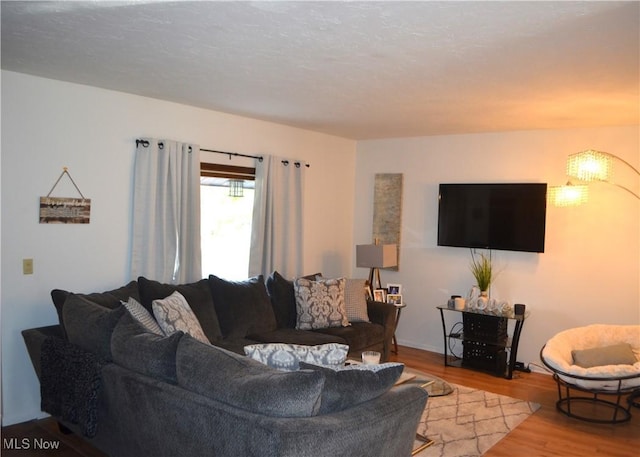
143,316
355,300
288,356
320,304
174,313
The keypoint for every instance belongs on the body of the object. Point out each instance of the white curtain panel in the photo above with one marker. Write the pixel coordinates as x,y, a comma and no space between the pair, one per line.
166,212
276,231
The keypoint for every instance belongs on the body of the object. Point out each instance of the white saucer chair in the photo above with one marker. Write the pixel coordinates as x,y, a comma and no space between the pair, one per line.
592,362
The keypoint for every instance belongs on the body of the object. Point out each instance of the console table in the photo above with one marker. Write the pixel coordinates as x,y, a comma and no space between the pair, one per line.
485,339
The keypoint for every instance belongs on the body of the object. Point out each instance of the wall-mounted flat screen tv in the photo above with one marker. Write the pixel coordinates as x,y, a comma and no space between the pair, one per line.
509,217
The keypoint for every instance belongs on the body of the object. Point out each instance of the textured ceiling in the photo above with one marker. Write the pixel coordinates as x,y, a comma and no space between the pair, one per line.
360,70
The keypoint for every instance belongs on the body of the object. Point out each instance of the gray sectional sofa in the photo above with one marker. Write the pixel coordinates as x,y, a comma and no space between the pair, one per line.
134,393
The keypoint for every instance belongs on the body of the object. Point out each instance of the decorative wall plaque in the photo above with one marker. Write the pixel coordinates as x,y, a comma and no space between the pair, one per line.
65,210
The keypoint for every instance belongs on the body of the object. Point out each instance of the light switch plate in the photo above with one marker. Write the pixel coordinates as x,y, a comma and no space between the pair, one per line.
27,266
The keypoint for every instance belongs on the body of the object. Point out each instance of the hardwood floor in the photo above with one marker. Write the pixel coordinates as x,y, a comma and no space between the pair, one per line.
547,433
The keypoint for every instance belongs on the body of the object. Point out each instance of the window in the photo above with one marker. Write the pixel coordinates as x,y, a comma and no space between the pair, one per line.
226,199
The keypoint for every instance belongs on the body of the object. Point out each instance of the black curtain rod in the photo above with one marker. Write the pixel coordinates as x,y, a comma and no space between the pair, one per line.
234,154
145,143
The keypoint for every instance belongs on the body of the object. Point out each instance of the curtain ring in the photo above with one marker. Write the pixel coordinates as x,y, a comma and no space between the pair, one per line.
297,164
160,145
285,162
190,149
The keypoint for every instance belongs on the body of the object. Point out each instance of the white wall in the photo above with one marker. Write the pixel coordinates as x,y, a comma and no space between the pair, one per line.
589,272
48,124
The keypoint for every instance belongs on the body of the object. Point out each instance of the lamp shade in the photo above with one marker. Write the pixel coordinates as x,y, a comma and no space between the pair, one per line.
590,165
376,255
568,195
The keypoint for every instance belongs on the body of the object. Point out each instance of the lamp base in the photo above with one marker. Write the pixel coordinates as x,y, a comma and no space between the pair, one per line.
374,273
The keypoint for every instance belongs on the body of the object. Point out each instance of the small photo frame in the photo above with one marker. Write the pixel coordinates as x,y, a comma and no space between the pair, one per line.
367,292
394,289
394,299
380,295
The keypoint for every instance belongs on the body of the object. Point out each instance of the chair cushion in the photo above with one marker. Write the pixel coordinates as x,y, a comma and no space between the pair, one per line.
90,325
320,304
197,294
288,356
243,307
347,386
144,352
246,384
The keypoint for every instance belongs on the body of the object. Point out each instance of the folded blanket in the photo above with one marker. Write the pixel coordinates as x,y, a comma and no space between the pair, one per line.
70,384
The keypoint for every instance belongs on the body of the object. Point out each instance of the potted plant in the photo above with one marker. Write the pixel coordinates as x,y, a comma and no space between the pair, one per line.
482,270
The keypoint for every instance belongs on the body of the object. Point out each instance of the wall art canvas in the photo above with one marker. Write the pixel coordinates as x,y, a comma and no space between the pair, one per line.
387,210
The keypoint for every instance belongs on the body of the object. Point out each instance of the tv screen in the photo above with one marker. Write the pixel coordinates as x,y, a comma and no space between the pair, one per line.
508,217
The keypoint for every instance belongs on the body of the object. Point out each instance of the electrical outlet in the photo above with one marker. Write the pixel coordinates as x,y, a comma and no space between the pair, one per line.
27,266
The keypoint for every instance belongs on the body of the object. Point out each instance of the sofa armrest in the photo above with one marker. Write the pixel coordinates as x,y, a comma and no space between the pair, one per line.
385,315
33,339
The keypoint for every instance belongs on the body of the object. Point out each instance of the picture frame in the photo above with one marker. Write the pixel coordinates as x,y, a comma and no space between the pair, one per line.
394,289
367,292
380,295
394,299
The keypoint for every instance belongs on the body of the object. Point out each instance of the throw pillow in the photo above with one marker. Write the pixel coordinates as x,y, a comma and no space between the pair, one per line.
243,307
320,304
347,386
152,355
355,300
143,316
110,299
246,384
617,354
288,356
90,325
197,294
173,314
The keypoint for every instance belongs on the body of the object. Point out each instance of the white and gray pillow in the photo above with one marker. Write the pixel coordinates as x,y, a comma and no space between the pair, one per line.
355,300
287,357
173,313
139,313
320,304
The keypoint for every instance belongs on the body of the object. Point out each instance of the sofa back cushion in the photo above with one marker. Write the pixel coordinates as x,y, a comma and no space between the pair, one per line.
109,299
348,386
243,307
198,296
283,298
246,384
90,325
139,350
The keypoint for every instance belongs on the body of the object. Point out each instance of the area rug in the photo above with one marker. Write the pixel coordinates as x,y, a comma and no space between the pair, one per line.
468,422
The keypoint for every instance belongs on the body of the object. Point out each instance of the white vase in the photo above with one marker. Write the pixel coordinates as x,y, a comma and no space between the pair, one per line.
483,300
